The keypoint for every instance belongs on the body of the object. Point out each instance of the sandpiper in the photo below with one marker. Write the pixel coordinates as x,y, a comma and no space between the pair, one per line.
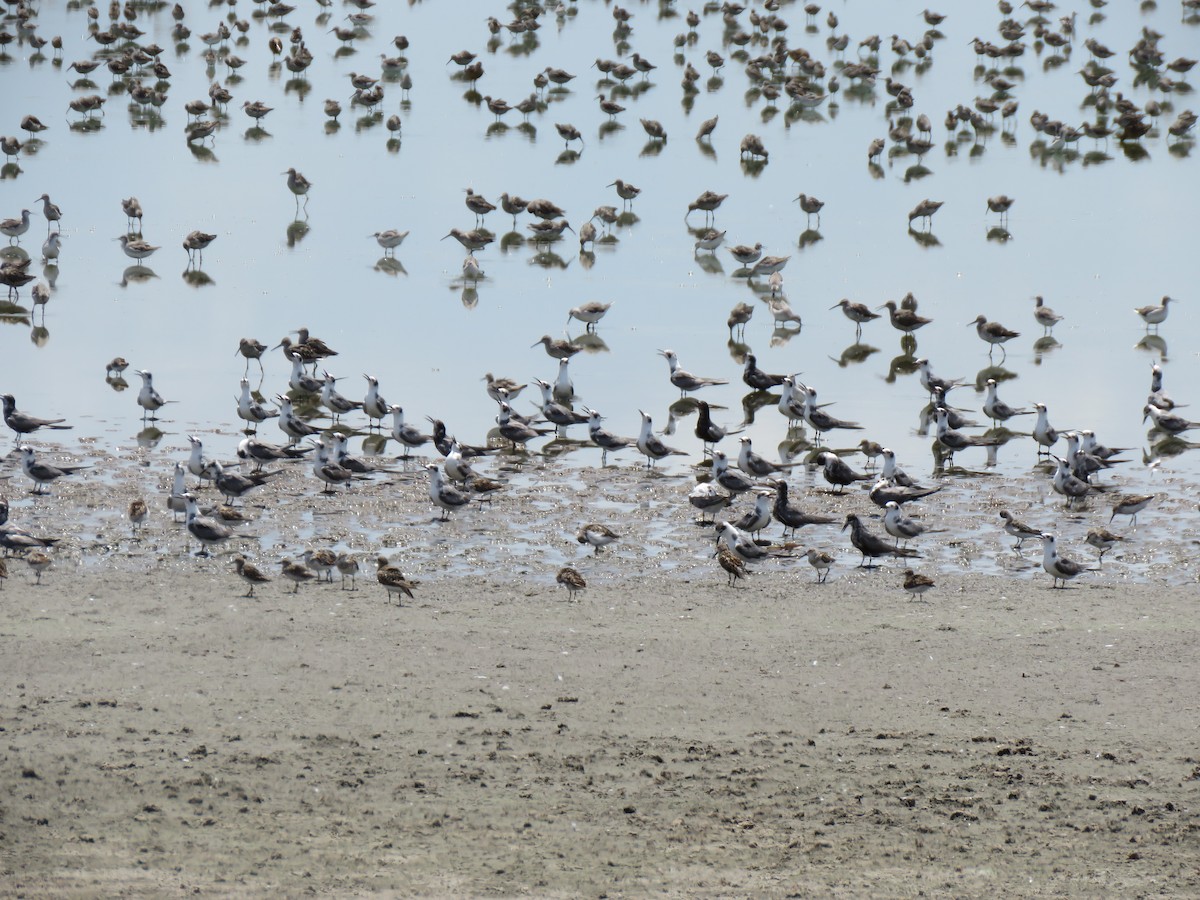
916,584
733,564
627,192
389,240
710,240
1059,568
811,206
347,567
14,228
249,573
298,185
709,202
1018,529
136,249
1155,314
925,210
321,562
1130,505
571,580
858,313
557,348
746,255
1001,203
296,573
597,535
50,210
1103,540
992,332
137,513
39,562
393,580
821,562
904,319
589,313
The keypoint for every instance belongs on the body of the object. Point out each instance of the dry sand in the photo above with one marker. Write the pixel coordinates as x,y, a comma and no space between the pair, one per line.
663,734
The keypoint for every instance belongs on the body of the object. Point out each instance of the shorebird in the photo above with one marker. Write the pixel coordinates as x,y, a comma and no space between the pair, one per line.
610,108
597,535
858,313
709,202
707,127
347,567
39,562
14,228
321,562
557,348
747,256
1103,540
683,379
1018,529
992,332
589,313
544,209
1000,204
654,129
298,185
195,244
811,206
650,445
209,532
471,240
568,133
43,473
249,573
571,580
1130,505
256,109
821,561
296,573
1059,568
903,318
769,265
1155,314
916,584
448,497
389,240
627,192
137,513
26,424
393,580
733,564
710,241
50,210
925,210
136,249
870,544
252,348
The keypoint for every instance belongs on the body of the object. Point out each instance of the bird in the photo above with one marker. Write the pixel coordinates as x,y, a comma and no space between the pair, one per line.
992,332
296,573
915,584
904,319
347,567
733,564
1044,315
589,313
996,409
597,535
26,424
571,580
925,210
249,573
870,544
557,348
41,473
811,206
207,531
1130,505
1155,313
1019,529
321,562
39,562
446,496
149,399
858,313
707,498
1103,540
389,240
900,526
821,562
298,185
1000,204
393,580
137,512
650,445
136,249
683,379
1059,568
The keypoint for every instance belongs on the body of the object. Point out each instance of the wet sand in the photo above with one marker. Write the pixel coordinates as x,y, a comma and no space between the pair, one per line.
662,733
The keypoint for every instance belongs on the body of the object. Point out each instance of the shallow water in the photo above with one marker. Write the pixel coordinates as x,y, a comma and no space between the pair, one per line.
1094,230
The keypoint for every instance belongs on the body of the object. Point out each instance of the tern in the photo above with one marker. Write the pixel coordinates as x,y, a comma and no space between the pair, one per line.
43,473
209,532
1059,568
651,446
448,497
26,424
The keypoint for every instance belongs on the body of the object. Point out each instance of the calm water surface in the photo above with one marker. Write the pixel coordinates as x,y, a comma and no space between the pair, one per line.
1096,230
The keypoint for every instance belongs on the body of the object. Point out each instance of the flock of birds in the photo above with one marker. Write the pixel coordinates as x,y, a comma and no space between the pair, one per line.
780,70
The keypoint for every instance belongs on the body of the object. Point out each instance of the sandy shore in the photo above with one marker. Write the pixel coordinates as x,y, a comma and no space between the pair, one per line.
664,734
